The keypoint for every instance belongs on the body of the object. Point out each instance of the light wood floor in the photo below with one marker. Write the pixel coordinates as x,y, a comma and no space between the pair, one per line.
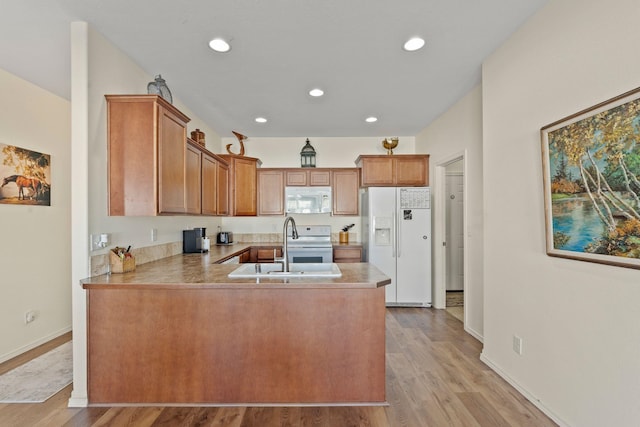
434,378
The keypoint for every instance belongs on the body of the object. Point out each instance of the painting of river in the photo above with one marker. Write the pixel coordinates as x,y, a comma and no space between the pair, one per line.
591,164
576,217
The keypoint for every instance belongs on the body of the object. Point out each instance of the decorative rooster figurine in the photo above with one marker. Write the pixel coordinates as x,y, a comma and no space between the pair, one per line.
241,138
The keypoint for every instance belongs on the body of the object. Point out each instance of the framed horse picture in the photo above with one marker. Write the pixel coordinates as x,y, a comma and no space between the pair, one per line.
25,176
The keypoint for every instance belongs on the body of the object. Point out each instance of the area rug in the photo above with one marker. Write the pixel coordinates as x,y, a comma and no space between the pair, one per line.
40,378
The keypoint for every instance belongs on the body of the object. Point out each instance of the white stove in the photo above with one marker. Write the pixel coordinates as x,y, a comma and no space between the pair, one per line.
312,245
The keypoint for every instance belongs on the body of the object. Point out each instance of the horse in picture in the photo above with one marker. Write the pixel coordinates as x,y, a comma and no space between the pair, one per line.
23,182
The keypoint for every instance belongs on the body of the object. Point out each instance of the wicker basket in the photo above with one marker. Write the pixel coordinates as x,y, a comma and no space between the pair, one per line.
122,264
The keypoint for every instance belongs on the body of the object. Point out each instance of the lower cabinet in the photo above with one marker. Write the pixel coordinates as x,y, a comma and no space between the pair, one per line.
347,254
245,256
265,253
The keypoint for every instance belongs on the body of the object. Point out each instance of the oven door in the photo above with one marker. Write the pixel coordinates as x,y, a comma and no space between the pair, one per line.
310,255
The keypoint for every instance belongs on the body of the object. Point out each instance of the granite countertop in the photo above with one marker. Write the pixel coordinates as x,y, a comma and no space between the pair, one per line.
188,271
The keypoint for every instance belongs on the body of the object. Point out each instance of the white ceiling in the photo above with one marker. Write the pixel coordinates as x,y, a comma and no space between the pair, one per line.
280,49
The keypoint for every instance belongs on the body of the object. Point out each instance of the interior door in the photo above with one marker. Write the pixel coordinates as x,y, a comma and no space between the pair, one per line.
454,232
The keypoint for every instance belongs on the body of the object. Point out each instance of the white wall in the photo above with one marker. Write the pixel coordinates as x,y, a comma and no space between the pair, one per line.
35,254
579,321
459,132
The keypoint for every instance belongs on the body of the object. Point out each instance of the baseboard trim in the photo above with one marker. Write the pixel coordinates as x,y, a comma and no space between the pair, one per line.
34,344
473,333
78,402
523,391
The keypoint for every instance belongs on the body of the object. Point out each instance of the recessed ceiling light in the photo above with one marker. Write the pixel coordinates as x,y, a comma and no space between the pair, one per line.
413,43
316,92
261,120
371,119
219,45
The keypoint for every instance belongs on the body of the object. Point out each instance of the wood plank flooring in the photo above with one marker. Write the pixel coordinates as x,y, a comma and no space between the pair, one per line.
434,378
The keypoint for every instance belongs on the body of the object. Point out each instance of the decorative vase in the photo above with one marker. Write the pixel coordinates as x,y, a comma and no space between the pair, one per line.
198,136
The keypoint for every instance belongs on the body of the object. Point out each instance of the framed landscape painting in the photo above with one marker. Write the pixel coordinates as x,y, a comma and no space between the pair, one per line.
591,170
25,176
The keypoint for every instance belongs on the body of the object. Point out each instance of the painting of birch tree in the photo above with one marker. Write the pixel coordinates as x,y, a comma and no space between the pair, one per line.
592,183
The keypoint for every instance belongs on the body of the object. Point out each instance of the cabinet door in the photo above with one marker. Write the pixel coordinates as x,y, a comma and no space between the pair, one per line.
296,178
193,179
222,202
265,254
172,140
377,172
347,254
345,191
412,171
245,256
245,191
270,192
209,185
321,178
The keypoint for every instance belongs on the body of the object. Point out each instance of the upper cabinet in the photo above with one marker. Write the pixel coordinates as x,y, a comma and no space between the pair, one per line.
270,192
154,169
411,170
215,182
146,156
193,180
301,177
345,187
242,184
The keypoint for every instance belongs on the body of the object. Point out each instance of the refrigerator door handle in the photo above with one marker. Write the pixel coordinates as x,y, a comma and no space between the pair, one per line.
399,242
393,234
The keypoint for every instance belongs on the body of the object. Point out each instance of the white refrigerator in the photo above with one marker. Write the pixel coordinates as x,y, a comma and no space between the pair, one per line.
396,234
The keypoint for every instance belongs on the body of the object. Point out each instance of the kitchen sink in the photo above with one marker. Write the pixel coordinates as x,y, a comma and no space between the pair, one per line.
297,270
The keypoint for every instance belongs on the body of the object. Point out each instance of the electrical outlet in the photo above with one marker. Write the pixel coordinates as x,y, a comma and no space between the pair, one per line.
517,344
154,234
29,316
99,241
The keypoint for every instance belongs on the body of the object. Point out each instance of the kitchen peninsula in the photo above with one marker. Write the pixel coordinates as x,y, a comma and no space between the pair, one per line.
179,331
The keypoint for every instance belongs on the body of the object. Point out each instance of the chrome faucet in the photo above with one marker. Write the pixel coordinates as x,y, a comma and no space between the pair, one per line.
285,249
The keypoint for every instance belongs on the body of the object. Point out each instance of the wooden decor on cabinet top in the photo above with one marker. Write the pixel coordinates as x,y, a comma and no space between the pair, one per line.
409,170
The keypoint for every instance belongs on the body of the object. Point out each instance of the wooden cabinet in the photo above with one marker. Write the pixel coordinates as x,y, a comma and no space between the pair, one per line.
242,185
394,170
209,185
245,256
193,181
215,182
345,187
264,253
222,199
270,192
302,177
146,156
347,254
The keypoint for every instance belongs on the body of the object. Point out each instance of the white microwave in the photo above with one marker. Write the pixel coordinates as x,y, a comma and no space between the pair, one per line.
308,200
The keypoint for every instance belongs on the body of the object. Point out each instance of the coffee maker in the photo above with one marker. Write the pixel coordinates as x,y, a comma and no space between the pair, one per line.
195,241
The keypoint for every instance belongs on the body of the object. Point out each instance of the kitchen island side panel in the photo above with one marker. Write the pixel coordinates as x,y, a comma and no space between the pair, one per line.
236,346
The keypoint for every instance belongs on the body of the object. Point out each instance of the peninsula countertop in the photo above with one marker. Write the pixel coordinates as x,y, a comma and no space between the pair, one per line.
200,271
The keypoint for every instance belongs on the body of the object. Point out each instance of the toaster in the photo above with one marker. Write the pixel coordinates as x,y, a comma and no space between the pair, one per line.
224,238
